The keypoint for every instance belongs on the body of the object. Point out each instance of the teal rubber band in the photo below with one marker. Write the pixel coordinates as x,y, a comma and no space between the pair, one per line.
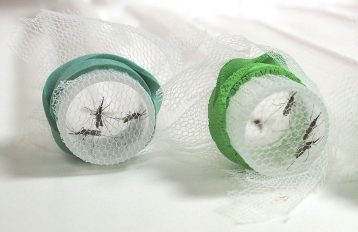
232,76
85,64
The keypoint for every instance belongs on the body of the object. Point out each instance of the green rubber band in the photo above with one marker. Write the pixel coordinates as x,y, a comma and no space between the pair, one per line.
232,76
85,64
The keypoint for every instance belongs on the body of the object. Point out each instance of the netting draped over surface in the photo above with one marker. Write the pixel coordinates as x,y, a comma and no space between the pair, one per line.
264,114
101,83
52,38
229,98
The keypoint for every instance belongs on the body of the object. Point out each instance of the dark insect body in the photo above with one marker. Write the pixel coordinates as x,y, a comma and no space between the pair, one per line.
86,132
258,123
290,103
311,127
100,117
302,149
98,114
133,116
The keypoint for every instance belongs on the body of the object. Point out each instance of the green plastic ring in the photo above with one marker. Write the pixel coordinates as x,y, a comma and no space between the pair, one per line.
232,75
85,64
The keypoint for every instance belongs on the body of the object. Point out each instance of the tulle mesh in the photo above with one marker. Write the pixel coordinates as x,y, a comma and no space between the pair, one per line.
127,123
279,181
51,39
342,98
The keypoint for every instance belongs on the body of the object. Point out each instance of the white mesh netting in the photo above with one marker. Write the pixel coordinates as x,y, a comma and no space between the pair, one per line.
123,128
50,39
127,120
269,132
342,98
288,160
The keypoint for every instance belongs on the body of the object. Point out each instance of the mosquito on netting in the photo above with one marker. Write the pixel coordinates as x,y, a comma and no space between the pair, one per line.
134,116
313,125
139,115
303,148
85,133
289,105
101,117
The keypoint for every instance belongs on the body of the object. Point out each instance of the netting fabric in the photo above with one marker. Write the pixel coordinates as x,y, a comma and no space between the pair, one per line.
254,105
231,100
263,117
101,83
104,116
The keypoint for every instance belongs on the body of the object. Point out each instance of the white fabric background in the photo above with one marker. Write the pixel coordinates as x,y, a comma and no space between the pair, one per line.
48,191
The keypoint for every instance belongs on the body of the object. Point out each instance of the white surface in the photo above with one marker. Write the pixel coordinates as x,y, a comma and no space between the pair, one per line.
42,190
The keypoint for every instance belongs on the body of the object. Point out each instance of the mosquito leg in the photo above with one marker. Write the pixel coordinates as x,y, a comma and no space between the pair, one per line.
319,124
143,115
270,115
279,104
106,107
92,112
88,120
92,148
291,164
289,121
114,118
308,154
92,100
289,125
94,138
310,118
93,123
105,125
73,135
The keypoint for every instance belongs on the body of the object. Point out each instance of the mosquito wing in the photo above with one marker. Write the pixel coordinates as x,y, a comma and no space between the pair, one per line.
86,109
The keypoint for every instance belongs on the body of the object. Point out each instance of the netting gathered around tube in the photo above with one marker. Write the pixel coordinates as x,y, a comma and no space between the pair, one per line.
280,160
271,183
125,126
100,81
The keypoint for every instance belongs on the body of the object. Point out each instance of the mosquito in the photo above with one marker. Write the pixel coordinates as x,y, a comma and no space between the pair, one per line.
286,111
86,132
100,116
290,103
98,113
302,149
132,116
311,127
